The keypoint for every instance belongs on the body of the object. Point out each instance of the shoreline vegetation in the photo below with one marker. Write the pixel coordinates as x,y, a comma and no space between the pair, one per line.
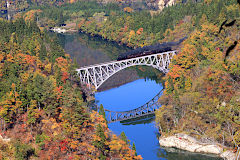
203,78
201,97
42,107
202,89
139,28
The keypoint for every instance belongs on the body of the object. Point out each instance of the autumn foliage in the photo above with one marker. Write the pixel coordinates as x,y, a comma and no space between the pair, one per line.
41,106
202,87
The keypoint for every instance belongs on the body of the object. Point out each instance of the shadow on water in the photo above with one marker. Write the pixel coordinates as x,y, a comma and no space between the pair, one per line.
176,154
169,153
81,40
87,50
140,120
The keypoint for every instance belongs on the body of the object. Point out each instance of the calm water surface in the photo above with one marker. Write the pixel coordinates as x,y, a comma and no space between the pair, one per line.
130,96
89,50
144,134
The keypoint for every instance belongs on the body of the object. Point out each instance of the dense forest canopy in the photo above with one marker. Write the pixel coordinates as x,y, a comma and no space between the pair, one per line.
203,83
40,96
139,27
42,109
202,87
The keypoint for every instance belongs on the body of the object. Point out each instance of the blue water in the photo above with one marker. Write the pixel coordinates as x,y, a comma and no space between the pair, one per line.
130,96
144,135
91,50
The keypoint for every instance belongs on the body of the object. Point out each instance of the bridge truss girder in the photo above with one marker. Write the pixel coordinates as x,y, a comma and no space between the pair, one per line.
97,74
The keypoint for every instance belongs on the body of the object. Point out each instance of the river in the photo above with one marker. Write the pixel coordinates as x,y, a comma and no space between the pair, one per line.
124,91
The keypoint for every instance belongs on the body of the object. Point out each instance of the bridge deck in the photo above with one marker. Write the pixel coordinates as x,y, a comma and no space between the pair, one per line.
97,74
124,60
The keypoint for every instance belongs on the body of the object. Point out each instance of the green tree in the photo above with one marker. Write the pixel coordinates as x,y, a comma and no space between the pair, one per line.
134,148
102,112
101,142
124,137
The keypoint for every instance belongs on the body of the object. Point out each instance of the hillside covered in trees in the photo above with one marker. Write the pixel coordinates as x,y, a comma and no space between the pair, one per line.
140,28
43,114
201,96
20,5
202,87
137,28
40,96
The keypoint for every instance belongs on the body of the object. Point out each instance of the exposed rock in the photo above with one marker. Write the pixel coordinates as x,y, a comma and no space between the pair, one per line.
229,155
165,3
185,142
5,139
224,104
159,4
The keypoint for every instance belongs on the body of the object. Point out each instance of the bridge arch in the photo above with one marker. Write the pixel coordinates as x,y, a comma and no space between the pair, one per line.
125,68
97,74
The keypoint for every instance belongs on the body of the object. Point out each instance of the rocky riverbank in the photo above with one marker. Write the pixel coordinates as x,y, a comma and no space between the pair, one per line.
188,143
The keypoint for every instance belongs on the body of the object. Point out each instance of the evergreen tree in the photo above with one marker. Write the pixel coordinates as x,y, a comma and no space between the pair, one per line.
101,143
124,137
102,112
134,148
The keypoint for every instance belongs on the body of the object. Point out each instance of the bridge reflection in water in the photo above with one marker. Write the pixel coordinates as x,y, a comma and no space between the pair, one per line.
148,108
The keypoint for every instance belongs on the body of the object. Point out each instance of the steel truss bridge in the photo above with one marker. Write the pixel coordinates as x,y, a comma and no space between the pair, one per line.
149,108
97,74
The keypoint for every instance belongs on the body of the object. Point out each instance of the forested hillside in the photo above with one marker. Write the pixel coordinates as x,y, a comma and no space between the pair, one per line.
138,28
42,112
20,5
41,106
202,87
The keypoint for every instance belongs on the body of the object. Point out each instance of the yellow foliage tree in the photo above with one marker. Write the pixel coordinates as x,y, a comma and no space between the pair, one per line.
128,9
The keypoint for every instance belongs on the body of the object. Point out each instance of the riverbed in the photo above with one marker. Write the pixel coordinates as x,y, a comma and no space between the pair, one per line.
124,92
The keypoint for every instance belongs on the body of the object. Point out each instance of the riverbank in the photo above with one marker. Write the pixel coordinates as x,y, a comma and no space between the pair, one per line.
68,28
188,143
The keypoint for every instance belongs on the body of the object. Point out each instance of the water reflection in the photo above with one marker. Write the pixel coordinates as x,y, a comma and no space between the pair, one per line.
142,132
141,120
176,154
130,96
87,50
141,113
